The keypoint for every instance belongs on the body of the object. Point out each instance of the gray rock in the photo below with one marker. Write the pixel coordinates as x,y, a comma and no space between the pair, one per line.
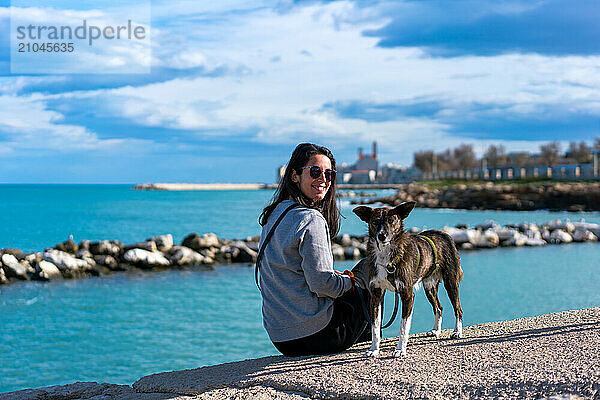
491,224
559,236
252,245
344,240
461,236
507,234
338,253
351,253
518,240
197,242
535,242
244,254
66,262
46,271
110,262
163,242
15,269
181,255
3,278
488,239
34,258
68,246
148,245
84,253
17,253
583,235
145,259
106,247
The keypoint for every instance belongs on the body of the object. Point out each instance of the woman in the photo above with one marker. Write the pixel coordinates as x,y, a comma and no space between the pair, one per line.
308,308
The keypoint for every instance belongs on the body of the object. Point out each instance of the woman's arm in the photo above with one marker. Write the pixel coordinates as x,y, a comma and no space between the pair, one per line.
317,260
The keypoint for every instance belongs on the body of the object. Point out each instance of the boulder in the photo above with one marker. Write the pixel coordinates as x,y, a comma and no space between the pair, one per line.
3,279
17,253
343,240
244,254
84,244
15,269
560,236
490,224
461,236
145,259
68,246
583,235
66,262
106,247
109,262
181,255
488,239
508,236
148,245
197,242
351,253
535,242
163,242
519,239
84,253
338,253
252,245
46,271
34,258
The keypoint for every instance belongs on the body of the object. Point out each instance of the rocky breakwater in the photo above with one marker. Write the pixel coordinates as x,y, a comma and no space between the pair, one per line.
71,260
490,196
491,234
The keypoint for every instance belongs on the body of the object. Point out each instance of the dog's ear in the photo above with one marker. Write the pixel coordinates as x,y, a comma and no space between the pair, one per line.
363,212
403,209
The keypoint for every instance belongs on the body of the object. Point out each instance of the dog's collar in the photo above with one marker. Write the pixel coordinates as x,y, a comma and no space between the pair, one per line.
391,267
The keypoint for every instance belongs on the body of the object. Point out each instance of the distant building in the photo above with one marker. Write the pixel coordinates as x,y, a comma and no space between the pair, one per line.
365,169
391,173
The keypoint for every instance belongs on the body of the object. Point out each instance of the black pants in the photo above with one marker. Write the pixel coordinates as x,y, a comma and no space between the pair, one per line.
347,327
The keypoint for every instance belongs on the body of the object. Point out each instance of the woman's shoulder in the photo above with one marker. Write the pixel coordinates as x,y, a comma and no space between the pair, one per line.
302,215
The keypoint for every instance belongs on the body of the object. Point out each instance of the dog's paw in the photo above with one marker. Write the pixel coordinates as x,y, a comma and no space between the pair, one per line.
372,353
433,332
398,353
456,335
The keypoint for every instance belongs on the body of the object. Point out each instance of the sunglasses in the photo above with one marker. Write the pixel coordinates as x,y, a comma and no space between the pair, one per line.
315,172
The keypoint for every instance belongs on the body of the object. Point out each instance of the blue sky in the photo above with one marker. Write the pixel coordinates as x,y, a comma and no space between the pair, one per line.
235,85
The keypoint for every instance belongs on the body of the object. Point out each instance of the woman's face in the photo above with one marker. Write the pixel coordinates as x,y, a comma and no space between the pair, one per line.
314,188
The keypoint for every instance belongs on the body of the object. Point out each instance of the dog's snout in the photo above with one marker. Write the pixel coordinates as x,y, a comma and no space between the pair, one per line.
381,236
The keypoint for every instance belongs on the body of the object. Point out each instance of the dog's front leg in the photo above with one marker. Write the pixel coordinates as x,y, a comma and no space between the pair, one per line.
408,299
375,315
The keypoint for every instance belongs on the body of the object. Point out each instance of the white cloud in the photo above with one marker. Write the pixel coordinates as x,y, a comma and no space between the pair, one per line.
29,124
102,56
283,101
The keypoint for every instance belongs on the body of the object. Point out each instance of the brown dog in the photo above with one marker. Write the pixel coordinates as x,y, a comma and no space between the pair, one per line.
399,261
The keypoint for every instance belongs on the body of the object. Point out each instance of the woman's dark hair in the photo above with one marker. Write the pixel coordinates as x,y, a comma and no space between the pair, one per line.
288,189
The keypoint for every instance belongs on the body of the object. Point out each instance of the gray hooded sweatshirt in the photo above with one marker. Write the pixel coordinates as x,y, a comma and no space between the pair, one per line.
296,274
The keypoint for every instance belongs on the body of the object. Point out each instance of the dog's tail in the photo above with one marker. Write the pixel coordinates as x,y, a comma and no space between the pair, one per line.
456,256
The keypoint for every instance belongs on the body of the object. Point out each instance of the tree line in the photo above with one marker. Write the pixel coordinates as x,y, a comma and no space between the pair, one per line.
463,157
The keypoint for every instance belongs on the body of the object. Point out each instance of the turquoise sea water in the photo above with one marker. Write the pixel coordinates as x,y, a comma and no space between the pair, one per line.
124,326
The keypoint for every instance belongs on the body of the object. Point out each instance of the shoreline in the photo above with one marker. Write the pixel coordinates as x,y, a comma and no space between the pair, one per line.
534,357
